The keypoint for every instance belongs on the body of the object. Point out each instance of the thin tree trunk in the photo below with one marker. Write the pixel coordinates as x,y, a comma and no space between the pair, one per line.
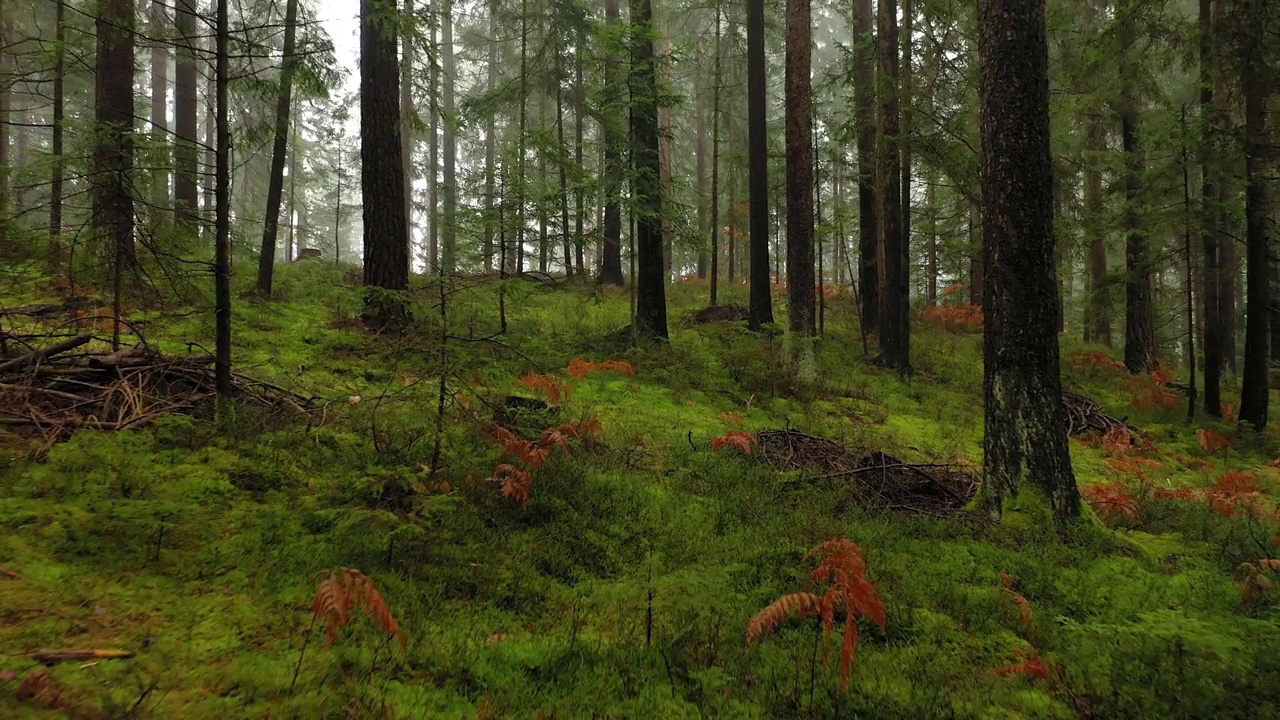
715,163
799,185
407,113
579,192
1211,316
931,229
59,112
1098,304
284,101
449,224
565,239
433,152
700,131
895,303
1255,390
159,25
977,257
490,142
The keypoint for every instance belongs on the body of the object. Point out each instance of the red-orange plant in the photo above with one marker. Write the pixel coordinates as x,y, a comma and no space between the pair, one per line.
1007,594
1111,500
1136,466
1233,491
954,318
1212,442
580,368
1029,663
553,388
345,592
517,482
843,569
1149,391
740,439
1095,360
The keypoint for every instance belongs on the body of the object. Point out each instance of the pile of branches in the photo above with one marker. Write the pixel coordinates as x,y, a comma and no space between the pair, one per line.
1085,416
50,391
716,314
875,479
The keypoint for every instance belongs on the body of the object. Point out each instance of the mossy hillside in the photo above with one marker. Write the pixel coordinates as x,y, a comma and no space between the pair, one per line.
624,587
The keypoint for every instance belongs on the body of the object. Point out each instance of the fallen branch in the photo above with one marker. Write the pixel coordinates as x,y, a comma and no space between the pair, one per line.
33,358
53,657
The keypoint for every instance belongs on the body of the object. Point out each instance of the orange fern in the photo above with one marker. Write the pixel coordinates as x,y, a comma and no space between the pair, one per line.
345,592
843,568
1136,466
1029,663
1025,617
954,318
740,439
516,483
553,388
580,368
1111,500
1212,442
1233,491
1118,440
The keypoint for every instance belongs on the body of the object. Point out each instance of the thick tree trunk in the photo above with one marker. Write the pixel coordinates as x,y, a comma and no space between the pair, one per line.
895,342
565,238
799,186
579,192
59,113
760,310
386,247
700,174
113,157
6,100
651,305
1255,389
864,103
433,156
715,162
222,211
1211,315
186,192
1025,435
275,187
611,257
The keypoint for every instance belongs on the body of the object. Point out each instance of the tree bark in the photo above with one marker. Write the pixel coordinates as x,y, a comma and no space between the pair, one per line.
977,257
611,257
407,118
222,211
386,247
433,154
490,142
1255,79
1139,320
1025,436
186,193
895,341
59,113
864,103
284,102
760,310
799,186
651,306
113,157
449,221
1211,315
159,24
1097,319
715,162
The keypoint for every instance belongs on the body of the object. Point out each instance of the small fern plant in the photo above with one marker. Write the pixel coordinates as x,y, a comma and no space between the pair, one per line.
843,569
340,597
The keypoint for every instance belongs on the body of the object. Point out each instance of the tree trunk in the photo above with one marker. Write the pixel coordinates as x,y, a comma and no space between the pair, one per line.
59,113
490,142
6,99
700,131
895,302
407,118
449,222
433,154
977,257
562,158
386,247
651,305
271,222
1097,319
664,146
1211,316
159,24
611,258
864,103
931,229
760,311
222,212
113,157
579,192
1025,435
715,163
1139,319
1255,390
799,186
186,193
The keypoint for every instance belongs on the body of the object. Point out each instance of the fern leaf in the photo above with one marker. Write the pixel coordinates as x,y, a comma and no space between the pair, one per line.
768,619
848,650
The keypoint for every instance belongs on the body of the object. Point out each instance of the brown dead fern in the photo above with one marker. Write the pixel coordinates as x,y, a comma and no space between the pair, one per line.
341,596
843,569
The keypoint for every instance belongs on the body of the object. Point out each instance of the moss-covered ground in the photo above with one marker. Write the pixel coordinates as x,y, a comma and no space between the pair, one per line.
623,588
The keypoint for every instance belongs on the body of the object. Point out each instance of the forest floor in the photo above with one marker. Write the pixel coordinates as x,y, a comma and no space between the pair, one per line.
618,578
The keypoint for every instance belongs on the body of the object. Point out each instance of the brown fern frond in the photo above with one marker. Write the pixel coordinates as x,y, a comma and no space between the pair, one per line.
768,619
740,439
848,650
375,606
346,590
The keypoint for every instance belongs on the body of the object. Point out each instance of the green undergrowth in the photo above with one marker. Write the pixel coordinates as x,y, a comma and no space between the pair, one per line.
624,586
